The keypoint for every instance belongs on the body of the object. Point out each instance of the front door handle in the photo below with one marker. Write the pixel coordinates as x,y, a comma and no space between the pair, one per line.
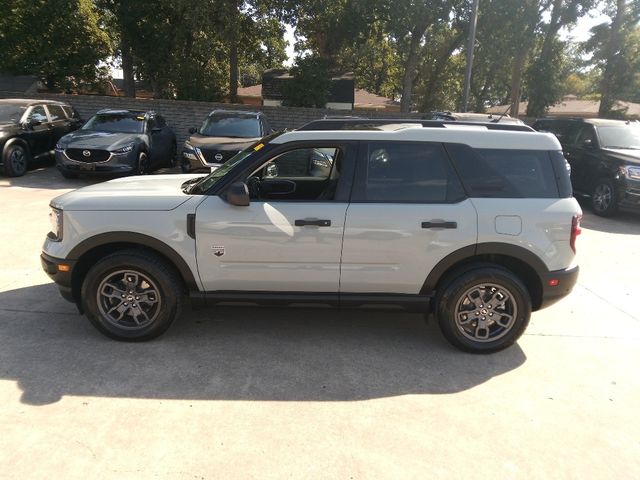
312,223
439,224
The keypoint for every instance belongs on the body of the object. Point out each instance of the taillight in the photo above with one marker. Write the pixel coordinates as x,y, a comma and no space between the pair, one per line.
575,231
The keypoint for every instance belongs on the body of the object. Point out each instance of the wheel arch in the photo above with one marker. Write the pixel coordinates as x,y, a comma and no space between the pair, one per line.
18,140
524,264
90,251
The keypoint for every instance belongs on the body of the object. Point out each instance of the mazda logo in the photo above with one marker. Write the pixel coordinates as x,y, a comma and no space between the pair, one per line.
218,156
86,153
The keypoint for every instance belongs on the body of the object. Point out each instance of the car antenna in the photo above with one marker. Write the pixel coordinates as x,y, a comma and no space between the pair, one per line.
502,115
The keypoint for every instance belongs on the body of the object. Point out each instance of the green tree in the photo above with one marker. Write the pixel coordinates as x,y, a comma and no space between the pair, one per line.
58,40
310,84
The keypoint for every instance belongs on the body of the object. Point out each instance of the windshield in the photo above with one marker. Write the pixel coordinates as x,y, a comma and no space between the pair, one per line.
230,125
11,113
620,136
210,180
123,123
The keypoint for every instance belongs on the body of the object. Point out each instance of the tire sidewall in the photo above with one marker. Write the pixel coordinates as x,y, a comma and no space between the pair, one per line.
160,276
143,163
447,300
613,206
8,165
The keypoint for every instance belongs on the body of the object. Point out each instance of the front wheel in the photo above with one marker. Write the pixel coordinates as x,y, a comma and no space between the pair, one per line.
132,296
143,164
603,198
16,160
484,310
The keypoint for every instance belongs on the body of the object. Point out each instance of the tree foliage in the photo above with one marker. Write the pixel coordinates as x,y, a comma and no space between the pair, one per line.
60,41
310,84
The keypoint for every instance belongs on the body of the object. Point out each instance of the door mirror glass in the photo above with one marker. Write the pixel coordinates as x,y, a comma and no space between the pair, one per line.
238,194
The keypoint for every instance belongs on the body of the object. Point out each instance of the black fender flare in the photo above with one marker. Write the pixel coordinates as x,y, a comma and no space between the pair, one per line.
488,248
139,239
18,140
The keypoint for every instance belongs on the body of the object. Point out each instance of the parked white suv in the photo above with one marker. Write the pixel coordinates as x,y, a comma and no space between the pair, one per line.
477,225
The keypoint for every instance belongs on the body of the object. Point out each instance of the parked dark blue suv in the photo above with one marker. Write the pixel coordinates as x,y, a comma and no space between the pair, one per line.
117,142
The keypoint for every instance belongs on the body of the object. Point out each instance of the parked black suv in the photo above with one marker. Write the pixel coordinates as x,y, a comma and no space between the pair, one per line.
29,130
605,160
117,141
222,134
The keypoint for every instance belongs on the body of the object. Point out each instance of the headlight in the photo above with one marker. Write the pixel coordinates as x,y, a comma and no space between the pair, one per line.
632,173
188,146
55,217
126,149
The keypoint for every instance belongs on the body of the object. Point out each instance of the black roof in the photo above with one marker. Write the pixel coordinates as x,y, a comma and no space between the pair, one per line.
122,111
374,123
239,113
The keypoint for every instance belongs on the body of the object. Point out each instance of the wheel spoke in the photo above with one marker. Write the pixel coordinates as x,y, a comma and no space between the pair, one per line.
482,331
109,290
504,320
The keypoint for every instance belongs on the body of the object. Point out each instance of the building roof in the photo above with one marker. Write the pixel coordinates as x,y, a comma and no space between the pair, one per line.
577,108
363,98
20,83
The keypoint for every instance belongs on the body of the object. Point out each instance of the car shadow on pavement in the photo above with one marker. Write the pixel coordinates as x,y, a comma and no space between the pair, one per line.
229,353
623,223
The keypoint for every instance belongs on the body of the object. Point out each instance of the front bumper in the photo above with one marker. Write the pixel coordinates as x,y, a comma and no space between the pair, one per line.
125,163
629,196
558,284
63,278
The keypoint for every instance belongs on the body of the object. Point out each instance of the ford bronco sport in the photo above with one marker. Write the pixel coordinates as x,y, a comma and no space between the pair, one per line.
476,225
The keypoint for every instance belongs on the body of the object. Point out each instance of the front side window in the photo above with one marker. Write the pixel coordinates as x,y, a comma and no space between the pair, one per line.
302,174
408,173
56,112
122,123
230,125
38,114
587,135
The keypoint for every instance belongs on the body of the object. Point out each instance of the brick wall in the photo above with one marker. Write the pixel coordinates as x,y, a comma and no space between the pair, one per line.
181,115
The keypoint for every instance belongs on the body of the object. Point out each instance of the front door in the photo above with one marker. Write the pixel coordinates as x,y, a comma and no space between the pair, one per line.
289,238
39,134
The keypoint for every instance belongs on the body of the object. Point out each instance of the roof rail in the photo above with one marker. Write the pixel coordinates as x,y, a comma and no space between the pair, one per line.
373,123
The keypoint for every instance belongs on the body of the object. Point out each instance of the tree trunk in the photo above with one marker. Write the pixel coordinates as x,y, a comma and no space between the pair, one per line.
234,33
128,80
613,46
410,72
516,81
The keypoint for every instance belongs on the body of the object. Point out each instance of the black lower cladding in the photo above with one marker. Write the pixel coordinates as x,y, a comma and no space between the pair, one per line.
62,278
88,155
563,282
406,302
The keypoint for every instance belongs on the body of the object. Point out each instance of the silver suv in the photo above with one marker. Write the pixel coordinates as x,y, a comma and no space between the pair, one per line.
476,225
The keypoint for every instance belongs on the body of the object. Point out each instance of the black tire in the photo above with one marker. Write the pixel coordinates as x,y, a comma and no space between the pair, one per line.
467,305
173,162
68,175
132,296
16,160
143,163
604,198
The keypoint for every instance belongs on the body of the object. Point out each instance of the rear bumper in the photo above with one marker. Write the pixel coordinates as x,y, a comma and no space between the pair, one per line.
552,291
51,266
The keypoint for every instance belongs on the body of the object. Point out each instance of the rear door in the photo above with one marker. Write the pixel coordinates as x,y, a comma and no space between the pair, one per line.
408,212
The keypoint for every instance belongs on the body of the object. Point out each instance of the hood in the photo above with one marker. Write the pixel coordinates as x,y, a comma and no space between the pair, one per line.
626,155
98,140
147,192
221,143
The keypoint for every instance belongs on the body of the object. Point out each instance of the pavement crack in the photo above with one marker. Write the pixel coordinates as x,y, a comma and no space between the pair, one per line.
608,302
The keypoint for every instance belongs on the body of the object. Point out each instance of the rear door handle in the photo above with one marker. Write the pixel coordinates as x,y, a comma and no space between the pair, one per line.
439,224
312,223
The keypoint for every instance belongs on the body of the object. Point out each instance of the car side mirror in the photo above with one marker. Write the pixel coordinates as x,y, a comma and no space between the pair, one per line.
193,130
34,123
238,194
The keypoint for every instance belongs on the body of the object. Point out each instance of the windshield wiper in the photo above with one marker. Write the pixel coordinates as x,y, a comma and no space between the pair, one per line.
187,187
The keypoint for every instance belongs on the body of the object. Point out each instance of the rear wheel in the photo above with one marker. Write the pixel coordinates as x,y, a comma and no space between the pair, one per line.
16,160
603,198
132,296
483,310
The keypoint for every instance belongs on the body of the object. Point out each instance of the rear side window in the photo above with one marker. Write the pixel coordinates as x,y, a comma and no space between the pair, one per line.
407,173
497,173
565,131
